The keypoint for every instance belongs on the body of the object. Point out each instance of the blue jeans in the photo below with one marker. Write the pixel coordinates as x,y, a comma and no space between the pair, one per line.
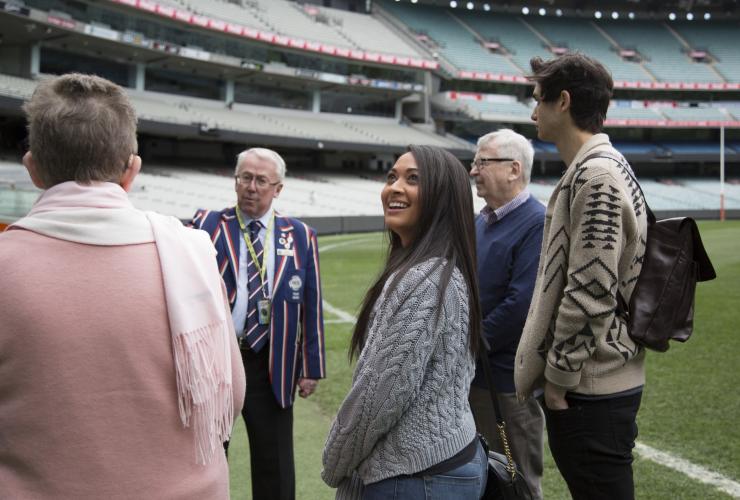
467,482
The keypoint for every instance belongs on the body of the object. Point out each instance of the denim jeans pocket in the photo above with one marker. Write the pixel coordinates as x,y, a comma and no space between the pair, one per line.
449,486
464,482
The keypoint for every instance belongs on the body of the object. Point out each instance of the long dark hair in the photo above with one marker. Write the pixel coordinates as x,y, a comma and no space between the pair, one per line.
446,229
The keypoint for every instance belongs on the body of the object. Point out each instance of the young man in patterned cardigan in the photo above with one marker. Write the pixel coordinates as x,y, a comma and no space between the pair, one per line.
575,343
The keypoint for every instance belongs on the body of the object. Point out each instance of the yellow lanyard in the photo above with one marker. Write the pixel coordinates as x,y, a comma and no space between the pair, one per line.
261,267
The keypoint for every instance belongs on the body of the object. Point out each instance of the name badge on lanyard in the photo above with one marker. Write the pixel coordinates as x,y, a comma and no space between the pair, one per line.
263,312
263,305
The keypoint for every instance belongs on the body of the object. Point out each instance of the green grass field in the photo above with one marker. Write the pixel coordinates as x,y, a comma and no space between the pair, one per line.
690,405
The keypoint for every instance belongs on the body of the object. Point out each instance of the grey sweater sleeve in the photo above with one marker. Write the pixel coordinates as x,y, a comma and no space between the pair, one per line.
388,375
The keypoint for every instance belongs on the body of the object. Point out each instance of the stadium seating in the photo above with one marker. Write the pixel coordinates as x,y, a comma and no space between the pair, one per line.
454,41
263,120
325,25
368,33
506,108
289,123
733,110
287,18
720,39
711,189
698,114
459,35
226,11
179,192
584,36
667,195
665,56
631,113
497,110
542,188
511,32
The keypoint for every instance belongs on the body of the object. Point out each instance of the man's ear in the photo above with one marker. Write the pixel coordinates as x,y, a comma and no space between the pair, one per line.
564,100
30,165
516,170
132,170
278,188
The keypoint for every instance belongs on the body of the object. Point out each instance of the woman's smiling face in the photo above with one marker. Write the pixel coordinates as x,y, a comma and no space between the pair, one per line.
400,197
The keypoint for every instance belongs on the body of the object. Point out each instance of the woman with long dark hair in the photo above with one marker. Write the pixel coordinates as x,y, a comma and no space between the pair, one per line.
406,428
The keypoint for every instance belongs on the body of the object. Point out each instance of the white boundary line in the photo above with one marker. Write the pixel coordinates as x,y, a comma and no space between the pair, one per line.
342,243
336,321
697,472
343,317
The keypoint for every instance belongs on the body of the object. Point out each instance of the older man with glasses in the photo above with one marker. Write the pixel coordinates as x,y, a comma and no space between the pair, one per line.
270,266
509,237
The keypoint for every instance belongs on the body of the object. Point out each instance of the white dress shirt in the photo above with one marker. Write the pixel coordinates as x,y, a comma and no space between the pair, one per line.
239,312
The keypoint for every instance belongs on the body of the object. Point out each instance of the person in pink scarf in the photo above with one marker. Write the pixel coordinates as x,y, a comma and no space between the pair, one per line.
120,376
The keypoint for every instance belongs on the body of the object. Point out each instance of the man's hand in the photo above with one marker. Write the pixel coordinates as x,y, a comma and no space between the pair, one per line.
306,386
555,397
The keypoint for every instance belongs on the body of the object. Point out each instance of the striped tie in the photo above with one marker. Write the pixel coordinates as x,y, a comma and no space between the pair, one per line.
256,334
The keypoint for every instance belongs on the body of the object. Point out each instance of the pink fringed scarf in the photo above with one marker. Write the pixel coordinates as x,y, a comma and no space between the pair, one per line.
101,214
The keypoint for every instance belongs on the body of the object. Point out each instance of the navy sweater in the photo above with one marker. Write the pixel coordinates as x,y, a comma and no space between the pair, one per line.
508,256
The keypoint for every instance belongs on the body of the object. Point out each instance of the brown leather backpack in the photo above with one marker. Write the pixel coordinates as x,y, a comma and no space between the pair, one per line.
661,307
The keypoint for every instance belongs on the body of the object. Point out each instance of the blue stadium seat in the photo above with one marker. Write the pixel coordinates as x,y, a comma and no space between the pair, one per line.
721,39
665,56
584,36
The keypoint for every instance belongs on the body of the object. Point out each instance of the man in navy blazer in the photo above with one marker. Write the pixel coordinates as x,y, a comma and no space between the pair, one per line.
289,354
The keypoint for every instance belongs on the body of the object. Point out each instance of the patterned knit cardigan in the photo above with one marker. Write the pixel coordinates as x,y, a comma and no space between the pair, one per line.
593,245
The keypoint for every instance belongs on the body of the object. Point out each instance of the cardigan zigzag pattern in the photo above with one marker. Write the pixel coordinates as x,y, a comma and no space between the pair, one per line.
593,245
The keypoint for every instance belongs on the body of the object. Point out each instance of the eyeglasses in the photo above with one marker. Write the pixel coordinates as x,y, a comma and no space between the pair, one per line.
260,181
482,162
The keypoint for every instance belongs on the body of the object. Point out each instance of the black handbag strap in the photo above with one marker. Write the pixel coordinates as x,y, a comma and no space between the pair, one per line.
489,381
500,423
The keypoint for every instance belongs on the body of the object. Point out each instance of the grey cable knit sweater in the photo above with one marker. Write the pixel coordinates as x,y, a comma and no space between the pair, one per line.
408,406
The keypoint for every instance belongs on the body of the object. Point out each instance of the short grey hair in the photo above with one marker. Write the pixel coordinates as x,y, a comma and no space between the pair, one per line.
81,128
263,154
509,144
